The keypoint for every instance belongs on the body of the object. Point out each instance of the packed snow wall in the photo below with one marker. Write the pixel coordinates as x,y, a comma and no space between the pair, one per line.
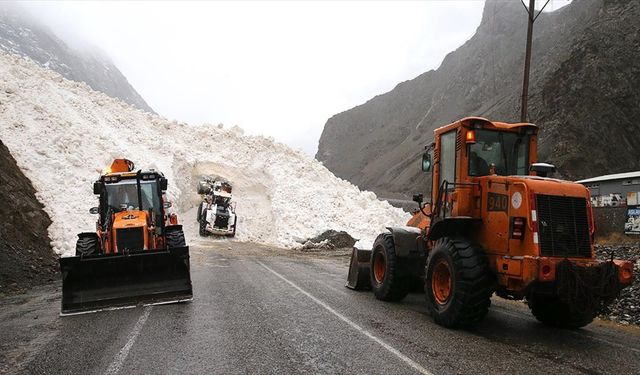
62,135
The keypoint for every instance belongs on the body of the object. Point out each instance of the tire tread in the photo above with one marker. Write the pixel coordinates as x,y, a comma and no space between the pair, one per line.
473,284
395,286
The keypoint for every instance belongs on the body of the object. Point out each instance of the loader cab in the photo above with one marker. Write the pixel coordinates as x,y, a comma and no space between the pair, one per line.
131,191
472,148
506,151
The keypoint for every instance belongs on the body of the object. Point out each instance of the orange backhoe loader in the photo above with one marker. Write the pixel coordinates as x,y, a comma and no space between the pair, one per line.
136,256
495,223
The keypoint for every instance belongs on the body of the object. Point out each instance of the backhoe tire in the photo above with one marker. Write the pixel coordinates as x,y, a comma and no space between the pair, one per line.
458,283
175,236
553,312
87,244
386,274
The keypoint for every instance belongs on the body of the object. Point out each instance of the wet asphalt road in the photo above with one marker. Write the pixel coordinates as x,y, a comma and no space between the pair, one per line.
258,310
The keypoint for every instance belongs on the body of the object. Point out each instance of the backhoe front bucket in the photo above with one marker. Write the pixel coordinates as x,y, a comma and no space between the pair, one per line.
358,278
107,281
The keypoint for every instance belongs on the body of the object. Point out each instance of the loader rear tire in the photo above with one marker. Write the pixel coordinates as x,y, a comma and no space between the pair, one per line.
175,236
458,283
553,312
87,244
386,274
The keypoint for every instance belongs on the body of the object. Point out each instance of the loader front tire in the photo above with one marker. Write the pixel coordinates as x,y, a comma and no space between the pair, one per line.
551,311
386,274
175,236
458,283
87,244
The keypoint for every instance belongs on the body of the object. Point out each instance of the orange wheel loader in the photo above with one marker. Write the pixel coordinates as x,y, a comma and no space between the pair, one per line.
136,256
494,223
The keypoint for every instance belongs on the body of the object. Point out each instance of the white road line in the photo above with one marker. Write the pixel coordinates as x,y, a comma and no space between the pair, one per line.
355,326
118,361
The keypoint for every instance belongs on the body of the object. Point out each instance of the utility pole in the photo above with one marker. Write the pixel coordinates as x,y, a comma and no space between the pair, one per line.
531,17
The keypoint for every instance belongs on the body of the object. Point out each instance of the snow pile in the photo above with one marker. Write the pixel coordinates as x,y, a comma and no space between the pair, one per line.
62,134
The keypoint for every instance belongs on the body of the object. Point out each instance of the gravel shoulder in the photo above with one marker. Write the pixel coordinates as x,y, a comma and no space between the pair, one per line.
626,308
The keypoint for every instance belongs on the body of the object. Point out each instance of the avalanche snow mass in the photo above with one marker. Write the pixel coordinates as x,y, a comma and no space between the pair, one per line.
63,134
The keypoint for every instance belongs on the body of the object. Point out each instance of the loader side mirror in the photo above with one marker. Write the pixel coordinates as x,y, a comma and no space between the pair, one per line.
426,162
167,204
163,184
418,198
94,210
97,188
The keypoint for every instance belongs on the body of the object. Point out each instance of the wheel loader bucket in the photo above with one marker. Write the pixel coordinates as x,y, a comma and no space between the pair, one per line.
109,281
359,266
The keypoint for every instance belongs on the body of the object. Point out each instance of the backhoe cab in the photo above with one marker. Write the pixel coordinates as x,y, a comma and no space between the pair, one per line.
494,223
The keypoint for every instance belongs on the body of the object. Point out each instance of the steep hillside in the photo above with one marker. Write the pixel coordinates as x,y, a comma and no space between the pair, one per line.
23,35
26,258
584,96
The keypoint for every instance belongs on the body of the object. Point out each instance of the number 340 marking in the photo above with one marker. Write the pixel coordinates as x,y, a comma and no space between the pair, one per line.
497,202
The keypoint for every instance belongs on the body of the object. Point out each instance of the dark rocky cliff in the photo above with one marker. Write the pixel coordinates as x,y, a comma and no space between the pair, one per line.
584,96
26,258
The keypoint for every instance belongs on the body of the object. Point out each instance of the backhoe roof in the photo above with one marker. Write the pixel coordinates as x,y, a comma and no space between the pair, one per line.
470,121
132,175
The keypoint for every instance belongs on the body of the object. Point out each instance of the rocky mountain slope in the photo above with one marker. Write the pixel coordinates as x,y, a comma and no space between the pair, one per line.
26,257
584,95
23,35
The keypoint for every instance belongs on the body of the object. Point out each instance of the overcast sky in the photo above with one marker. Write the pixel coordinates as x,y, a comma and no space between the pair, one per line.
279,69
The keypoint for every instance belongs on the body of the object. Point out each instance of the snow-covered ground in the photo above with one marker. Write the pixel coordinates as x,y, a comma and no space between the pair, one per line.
62,134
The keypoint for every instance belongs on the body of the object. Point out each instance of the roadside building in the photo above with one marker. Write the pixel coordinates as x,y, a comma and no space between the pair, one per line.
613,189
616,190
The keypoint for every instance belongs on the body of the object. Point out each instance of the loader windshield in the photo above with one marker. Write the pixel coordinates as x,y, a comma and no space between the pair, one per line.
123,196
509,152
